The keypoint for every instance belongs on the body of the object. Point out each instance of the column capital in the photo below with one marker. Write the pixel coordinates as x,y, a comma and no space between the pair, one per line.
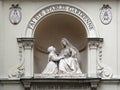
27,43
94,42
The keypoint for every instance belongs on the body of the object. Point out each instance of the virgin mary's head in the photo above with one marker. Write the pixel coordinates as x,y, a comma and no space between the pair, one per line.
64,42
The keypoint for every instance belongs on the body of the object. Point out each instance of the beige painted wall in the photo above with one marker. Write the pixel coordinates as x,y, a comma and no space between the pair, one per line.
118,35
1,39
8,33
29,8
11,86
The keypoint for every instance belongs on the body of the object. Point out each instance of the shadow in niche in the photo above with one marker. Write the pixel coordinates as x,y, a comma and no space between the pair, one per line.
49,32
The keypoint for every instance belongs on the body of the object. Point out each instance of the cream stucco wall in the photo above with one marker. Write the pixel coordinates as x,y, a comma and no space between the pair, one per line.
118,35
29,8
11,86
9,55
1,38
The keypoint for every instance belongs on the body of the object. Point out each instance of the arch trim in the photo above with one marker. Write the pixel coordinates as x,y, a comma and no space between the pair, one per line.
91,32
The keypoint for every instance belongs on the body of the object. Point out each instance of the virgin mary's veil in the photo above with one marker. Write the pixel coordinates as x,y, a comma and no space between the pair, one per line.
71,46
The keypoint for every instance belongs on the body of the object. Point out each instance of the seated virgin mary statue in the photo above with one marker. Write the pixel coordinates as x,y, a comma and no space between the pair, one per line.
64,63
69,64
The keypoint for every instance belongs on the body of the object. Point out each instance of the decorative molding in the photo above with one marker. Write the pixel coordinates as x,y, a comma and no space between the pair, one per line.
59,8
18,71
15,14
103,71
27,43
60,84
26,85
94,85
10,81
105,14
94,42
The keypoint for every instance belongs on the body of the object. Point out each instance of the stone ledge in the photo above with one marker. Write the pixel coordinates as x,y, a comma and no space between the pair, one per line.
96,39
62,76
10,81
60,80
80,80
113,80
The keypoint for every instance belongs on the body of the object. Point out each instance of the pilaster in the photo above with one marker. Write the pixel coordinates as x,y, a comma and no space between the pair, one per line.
93,44
27,46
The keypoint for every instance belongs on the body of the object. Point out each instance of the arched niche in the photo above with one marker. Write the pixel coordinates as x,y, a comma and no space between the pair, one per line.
73,23
49,32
